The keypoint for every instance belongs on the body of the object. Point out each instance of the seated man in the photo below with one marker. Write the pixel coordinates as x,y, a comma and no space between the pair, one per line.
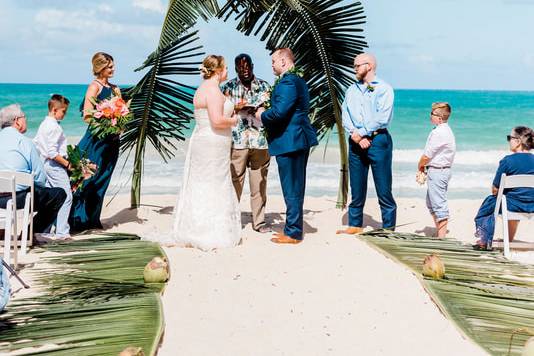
18,153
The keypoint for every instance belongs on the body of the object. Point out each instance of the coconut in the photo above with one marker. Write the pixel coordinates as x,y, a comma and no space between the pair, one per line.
132,351
528,350
156,271
433,267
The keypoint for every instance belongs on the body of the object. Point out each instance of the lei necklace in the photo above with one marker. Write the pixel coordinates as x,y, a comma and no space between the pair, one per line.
294,70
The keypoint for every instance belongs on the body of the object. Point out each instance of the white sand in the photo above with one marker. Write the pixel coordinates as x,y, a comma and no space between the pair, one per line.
330,295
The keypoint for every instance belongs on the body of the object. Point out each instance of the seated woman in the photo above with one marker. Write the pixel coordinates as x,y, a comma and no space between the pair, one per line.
521,141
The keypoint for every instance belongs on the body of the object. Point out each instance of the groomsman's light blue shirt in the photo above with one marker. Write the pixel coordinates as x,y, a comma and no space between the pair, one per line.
366,110
18,153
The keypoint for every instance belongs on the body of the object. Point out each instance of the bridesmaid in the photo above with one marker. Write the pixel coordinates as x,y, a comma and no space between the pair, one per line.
88,199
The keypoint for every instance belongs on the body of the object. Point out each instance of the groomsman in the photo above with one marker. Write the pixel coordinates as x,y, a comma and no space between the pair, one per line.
366,113
249,148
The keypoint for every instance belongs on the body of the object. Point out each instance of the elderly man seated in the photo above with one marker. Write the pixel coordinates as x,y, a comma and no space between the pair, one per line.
18,153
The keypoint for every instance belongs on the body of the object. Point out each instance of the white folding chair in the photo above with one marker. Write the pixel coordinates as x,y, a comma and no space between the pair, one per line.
507,182
8,218
25,179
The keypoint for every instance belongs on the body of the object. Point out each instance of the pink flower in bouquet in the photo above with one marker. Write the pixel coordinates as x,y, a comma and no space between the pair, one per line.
110,117
107,112
104,108
125,111
120,107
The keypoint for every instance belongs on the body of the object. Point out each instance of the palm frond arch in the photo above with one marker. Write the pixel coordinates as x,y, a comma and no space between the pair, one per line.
325,35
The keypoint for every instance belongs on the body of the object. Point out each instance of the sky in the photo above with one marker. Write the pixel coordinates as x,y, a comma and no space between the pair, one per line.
420,44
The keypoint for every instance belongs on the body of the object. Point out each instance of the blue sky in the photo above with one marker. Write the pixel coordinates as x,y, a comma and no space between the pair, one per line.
455,44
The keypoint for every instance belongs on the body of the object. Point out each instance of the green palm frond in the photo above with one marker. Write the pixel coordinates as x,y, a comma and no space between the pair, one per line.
161,105
182,15
91,301
487,296
325,37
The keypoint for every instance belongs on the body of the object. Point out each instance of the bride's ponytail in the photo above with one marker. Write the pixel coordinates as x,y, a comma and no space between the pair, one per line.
211,65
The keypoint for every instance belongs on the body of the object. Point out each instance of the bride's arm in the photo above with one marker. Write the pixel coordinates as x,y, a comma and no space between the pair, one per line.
215,105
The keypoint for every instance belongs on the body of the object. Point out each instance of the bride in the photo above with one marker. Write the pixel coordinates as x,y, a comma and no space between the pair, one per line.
207,212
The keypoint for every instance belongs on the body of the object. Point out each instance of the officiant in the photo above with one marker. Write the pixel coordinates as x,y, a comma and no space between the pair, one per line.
249,148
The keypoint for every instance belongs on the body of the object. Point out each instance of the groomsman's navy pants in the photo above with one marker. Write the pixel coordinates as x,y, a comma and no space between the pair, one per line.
292,171
379,157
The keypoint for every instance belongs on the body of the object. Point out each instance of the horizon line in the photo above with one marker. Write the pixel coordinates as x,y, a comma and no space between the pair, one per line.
395,88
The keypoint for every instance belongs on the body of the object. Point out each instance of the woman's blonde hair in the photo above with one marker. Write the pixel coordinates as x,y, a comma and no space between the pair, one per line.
211,65
100,62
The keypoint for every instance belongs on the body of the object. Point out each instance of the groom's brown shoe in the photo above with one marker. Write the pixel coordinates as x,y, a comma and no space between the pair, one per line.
351,230
284,239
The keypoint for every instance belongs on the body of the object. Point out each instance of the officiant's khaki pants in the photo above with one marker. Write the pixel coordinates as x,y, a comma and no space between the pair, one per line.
257,160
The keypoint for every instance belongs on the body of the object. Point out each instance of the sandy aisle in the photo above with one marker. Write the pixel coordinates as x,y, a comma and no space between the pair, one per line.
327,296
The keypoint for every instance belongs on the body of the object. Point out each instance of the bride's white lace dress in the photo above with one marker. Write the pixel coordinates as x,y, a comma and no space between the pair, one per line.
207,214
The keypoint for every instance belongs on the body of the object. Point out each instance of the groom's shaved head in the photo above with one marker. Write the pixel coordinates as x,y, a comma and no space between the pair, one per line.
286,53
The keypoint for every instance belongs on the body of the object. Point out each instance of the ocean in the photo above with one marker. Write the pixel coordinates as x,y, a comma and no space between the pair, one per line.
480,121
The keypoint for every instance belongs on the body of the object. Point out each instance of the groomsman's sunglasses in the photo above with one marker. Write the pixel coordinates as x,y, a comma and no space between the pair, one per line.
510,137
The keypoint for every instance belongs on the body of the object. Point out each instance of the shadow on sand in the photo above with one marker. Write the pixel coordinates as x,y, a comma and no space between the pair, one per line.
367,221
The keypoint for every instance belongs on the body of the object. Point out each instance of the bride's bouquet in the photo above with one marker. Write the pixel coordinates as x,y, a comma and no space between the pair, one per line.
110,117
81,168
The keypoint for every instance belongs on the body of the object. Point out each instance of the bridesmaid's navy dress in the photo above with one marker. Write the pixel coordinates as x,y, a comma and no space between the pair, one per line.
87,201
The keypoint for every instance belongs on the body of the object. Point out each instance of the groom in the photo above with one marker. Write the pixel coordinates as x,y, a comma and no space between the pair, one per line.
290,136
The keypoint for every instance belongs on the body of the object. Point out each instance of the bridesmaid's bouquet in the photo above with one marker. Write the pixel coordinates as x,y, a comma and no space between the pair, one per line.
110,117
80,169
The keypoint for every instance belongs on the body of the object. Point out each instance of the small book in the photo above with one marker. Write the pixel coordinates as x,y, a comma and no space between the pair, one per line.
252,108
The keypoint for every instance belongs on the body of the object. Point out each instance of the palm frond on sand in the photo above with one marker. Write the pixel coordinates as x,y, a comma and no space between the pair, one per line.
485,295
92,301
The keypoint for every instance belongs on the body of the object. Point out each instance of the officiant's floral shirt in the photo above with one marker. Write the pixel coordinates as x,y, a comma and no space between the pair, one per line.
245,134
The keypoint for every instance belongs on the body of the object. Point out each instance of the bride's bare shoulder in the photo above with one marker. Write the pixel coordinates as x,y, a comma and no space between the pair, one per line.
203,92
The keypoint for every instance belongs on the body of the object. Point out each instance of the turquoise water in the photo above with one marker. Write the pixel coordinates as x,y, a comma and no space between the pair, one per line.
480,121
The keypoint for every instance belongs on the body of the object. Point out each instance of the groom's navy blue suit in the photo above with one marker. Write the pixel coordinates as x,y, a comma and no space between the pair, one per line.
290,136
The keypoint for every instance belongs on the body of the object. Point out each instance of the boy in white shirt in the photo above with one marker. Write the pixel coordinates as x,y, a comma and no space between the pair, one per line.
437,159
52,146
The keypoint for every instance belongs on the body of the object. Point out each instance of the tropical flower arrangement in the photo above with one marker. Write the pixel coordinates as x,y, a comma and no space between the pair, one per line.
80,169
267,96
110,116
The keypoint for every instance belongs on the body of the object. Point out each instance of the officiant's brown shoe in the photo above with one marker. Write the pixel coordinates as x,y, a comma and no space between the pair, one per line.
351,230
284,239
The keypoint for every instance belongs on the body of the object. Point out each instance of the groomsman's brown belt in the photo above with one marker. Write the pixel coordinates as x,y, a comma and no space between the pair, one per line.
379,131
2,195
